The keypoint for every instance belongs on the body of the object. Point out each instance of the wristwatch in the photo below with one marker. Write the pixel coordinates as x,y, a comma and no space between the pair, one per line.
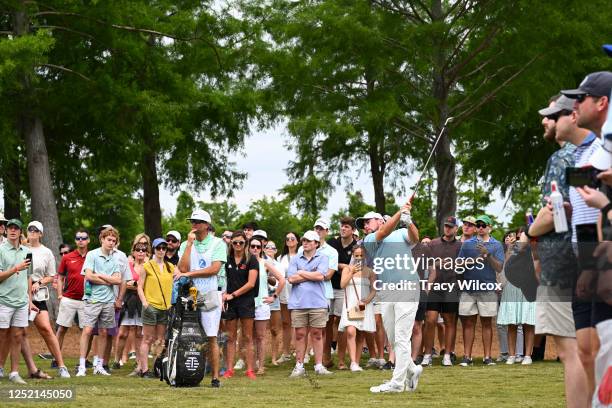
274,295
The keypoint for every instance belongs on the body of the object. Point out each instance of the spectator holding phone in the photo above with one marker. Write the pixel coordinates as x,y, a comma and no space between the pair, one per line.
15,299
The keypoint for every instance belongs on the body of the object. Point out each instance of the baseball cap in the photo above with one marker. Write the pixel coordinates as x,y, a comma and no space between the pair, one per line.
450,221
158,241
602,158
311,236
368,216
260,233
37,224
595,84
470,219
16,222
174,234
200,215
608,49
322,222
485,219
561,104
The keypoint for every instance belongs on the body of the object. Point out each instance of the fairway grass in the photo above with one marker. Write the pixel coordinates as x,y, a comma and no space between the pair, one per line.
539,385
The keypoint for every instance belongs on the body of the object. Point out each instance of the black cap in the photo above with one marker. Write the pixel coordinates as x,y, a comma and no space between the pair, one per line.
594,84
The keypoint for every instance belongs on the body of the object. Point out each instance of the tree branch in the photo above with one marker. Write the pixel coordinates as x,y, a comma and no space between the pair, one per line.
486,42
61,68
54,27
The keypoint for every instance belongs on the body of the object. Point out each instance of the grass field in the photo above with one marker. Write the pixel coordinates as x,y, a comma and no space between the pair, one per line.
539,385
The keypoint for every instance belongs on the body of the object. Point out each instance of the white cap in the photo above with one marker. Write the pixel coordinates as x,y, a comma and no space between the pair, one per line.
322,222
200,215
311,236
36,224
175,234
2,219
260,233
368,216
602,158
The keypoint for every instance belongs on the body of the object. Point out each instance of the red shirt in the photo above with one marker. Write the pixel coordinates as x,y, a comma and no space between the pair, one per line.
70,268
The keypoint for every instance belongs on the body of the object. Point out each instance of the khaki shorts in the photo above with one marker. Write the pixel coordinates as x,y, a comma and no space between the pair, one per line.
553,315
14,317
68,309
316,318
101,313
335,304
152,316
478,303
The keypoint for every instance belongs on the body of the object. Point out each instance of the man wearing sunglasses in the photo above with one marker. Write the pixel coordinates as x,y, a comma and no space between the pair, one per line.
70,284
201,257
488,256
173,238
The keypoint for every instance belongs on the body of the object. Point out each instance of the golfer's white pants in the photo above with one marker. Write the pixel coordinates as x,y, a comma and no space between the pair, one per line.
398,319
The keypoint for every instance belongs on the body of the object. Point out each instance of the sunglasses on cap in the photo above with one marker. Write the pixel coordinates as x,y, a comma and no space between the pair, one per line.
481,225
33,229
239,243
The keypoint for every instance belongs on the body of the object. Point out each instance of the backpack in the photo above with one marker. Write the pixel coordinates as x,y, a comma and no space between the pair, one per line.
183,362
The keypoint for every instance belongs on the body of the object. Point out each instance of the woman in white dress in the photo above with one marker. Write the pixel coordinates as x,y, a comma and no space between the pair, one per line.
358,284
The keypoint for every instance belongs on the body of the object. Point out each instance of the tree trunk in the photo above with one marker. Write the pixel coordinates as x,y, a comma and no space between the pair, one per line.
152,208
11,181
44,208
377,169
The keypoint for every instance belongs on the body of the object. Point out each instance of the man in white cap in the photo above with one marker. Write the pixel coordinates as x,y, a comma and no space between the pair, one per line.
307,302
173,238
385,245
201,257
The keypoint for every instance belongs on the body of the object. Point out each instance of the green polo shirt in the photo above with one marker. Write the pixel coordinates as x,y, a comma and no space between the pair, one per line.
102,265
14,290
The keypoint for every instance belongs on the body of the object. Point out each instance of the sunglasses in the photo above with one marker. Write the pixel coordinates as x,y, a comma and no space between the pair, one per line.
140,249
33,229
558,115
481,225
64,252
580,98
290,239
239,243
228,236
255,246
271,247
162,248
197,221
77,238
172,241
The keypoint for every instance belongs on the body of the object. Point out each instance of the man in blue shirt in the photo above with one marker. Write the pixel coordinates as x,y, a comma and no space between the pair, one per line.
483,257
307,301
398,290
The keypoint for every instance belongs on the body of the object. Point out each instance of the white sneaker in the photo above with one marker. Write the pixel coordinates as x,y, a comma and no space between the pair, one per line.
413,381
322,371
381,362
446,360
1,372
63,372
306,359
426,360
311,352
284,358
518,359
355,367
100,370
239,365
96,361
297,372
82,372
527,360
386,387
16,379
511,360
373,362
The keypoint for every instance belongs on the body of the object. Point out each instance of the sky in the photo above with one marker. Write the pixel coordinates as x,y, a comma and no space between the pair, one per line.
265,163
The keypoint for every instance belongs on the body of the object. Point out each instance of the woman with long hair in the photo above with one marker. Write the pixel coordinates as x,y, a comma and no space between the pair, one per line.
155,293
268,273
130,320
241,271
358,284
292,243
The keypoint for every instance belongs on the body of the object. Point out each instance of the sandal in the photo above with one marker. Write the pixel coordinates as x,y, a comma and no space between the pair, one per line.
261,371
341,366
41,375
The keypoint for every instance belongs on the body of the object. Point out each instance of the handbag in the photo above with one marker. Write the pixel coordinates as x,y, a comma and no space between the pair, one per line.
354,313
41,295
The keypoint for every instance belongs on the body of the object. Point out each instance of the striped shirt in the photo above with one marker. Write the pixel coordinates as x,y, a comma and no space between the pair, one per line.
581,213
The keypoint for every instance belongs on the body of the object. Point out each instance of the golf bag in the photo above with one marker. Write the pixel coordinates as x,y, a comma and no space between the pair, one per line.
182,364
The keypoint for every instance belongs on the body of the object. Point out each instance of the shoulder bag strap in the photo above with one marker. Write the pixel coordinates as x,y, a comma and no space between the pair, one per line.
355,287
158,281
